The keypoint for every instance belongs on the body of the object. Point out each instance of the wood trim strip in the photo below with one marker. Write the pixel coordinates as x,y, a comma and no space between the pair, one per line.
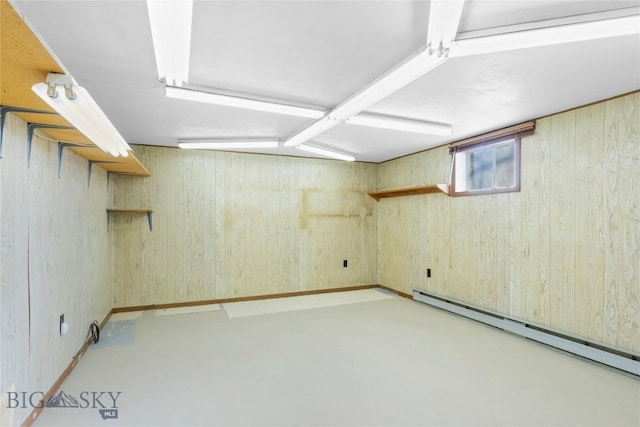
511,130
537,118
402,294
74,361
56,385
239,299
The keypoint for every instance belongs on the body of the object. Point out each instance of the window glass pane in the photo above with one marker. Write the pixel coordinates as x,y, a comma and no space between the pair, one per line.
480,169
490,167
505,171
460,171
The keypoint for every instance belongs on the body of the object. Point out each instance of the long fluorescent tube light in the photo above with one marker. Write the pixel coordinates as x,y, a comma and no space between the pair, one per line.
215,144
240,102
444,18
550,22
171,32
397,123
311,131
325,152
570,33
399,76
274,107
83,113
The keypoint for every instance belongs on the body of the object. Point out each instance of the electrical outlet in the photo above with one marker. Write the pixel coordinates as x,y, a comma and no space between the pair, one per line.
345,263
428,272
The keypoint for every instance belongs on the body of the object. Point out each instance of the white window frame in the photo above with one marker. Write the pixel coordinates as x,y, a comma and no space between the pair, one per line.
459,173
476,143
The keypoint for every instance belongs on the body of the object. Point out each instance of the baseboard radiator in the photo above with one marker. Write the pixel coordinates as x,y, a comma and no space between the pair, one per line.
596,352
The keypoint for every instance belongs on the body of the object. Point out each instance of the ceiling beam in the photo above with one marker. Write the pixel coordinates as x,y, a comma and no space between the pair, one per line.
171,32
548,36
249,102
444,18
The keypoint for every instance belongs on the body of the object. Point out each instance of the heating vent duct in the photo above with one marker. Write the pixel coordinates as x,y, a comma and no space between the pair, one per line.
599,353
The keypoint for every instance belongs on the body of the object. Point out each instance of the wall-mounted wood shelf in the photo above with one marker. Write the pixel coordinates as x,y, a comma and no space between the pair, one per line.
149,212
411,191
30,63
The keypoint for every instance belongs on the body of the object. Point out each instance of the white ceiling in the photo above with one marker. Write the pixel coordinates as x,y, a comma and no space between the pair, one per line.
318,53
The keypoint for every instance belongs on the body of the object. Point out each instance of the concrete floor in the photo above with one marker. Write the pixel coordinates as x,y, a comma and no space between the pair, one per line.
391,362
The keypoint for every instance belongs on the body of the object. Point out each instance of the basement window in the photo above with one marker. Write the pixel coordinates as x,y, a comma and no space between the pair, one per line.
489,164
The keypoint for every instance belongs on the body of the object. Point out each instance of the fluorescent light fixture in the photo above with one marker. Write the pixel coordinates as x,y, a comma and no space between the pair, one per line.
325,152
444,18
222,144
615,27
240,102
401,75
171,31
77,106
311,131
397,123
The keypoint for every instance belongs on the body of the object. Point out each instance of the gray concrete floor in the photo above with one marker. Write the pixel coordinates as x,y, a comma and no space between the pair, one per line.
392,362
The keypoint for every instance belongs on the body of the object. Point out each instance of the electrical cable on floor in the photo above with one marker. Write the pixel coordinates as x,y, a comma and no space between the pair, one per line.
94,332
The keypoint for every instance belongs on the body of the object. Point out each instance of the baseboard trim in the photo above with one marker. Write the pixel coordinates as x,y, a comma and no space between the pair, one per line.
33,416
402,294
599,353
74,361
240,299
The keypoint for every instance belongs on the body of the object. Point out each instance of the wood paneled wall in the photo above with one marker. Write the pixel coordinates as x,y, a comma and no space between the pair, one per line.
563,252
55,258
233,225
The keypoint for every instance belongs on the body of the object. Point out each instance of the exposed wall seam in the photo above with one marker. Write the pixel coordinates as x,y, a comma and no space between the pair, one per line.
29,283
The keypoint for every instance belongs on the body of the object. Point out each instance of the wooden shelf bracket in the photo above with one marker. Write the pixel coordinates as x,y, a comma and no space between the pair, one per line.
121,173
4,109
149,213
61,147
90,167
31,128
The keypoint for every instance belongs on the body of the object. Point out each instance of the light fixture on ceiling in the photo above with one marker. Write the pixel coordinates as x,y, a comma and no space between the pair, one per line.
413,67
399,76
444,18
223,144
378,121
311,131
569,33
401,124
325,152
241,102
78,108
171,32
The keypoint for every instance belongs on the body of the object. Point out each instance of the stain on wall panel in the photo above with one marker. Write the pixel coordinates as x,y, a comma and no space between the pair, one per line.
236,225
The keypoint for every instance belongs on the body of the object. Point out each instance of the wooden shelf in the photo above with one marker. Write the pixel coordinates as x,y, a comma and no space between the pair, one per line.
148,212
130,210
30,62
411,191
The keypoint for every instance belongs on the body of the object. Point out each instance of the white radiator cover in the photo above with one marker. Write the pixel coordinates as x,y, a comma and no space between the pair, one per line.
614,360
